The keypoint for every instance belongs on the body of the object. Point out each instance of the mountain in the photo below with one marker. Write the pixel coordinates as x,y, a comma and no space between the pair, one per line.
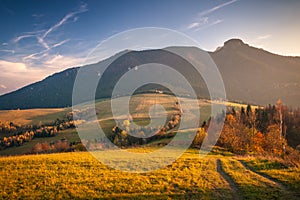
250,75
256,76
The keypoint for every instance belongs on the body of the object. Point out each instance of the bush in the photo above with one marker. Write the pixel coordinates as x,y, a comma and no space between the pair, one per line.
61,146
79,147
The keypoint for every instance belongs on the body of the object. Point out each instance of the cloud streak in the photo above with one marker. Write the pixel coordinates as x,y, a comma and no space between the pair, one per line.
34,56
264,37
3,86
211,10
202,20
21,37
199,23
60,43
7,51
24,73
28,35
19,72
41,35
83,8
37,57
218,21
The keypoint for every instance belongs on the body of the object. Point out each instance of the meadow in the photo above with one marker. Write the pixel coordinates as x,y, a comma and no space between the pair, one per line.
80,176
140,105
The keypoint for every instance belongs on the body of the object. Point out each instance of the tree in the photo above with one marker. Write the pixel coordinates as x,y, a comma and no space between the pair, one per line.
248,110
273,140
45,147
258,142
279,108
37,148
199,138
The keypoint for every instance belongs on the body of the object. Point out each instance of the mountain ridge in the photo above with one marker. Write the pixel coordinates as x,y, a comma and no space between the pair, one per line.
250,75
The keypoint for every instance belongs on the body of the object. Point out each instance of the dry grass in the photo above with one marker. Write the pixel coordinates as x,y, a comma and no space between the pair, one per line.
252,185
24,117
81,176
278,170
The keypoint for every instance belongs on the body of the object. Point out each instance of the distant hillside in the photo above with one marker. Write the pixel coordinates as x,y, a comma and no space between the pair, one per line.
257,76
53,92
250,75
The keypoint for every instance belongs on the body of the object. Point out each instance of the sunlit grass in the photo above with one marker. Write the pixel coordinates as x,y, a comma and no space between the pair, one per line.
31,116
250,184
275,168
79,175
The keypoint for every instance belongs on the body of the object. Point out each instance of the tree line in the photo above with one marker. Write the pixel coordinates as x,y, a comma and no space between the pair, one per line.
22,134
272,130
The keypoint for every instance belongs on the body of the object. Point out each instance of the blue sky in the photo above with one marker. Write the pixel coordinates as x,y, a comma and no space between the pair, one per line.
38,38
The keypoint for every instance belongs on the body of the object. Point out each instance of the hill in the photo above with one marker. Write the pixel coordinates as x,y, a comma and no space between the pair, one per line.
140,105
250,75
81,176
257,76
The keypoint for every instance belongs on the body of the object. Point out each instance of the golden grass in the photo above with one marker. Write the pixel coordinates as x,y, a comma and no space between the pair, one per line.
24,117
275,168
81,176
252,185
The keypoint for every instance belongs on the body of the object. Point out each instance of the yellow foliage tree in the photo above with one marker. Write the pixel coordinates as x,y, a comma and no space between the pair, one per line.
274,142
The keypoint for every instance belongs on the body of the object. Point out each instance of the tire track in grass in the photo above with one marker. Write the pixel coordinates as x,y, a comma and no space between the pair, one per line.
233,186
273,180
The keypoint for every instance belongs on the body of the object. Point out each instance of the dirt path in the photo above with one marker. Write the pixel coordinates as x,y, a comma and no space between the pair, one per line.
273,180
233,186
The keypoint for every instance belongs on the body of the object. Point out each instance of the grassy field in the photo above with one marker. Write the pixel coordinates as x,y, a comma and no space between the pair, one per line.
31,116
139,110
78,175
70,135
273,169
81,176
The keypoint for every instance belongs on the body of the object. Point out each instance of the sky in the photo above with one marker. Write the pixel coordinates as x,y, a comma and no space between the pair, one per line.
42,37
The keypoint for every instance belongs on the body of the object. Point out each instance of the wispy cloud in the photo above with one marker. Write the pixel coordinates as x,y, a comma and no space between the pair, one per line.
39,55
35,56
18,74
41,40
15,71
203,21
7,51
3,86
193,25
12,67
261,41
43,43
27,35
37,15
200,22
60,43
211,10
21,37
44,53
83,8
264,37
203,24
61,62
41,35
213,23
